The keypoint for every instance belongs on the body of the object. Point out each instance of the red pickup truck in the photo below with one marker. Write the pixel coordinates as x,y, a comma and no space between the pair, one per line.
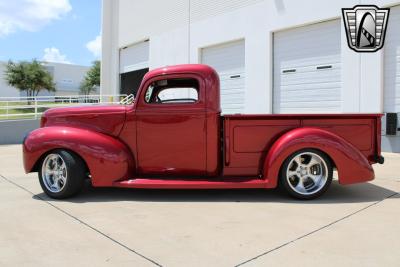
173,136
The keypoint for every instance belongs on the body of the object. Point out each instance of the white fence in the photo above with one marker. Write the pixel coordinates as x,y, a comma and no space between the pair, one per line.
32,107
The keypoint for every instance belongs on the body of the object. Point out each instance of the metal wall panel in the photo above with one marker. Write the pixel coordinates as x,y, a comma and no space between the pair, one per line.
307,69
201,9
134,57
229,61
391,96
139,20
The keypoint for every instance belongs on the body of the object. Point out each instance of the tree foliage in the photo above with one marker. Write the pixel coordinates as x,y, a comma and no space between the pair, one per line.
30,77
92,79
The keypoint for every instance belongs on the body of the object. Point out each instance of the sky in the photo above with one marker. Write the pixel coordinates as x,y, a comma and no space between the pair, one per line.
66,31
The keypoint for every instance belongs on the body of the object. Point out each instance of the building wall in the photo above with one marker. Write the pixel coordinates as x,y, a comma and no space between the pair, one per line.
177,31
67,78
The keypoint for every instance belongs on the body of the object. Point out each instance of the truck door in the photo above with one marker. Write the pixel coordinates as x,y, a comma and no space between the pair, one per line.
171,126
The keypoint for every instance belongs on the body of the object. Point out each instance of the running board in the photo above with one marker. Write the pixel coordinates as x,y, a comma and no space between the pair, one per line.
212,183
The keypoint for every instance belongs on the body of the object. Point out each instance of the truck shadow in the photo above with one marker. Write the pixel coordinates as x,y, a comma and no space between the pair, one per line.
359,193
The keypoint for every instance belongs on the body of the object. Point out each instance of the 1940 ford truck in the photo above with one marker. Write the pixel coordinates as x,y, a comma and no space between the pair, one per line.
174,137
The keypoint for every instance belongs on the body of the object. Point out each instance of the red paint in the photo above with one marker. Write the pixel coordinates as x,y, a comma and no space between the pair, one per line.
351,164
107,158
216,183
107,119
180,145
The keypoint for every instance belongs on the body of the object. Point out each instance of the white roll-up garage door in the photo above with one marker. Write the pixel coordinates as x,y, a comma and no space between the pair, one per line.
392,63
307,75
228,60
134,57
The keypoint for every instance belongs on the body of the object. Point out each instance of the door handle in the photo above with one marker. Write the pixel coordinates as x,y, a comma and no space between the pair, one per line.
289,71
324,67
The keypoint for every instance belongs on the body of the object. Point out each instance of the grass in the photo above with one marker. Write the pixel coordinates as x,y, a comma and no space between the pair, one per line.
20,111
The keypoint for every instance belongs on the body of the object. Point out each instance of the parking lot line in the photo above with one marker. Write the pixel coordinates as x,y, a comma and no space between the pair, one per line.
199,227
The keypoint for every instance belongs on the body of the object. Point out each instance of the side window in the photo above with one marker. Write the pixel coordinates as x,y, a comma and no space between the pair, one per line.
173,91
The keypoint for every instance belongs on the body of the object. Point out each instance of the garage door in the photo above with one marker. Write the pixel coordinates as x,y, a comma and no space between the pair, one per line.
133,65
307,76
228,61
392,63
134,57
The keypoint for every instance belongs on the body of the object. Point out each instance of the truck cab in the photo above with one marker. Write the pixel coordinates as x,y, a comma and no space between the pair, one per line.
177,114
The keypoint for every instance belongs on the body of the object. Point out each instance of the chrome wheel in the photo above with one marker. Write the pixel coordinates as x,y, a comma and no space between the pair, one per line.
307,173
54,173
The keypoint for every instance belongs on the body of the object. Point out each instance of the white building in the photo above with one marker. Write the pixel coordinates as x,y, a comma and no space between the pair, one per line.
281,56
67,78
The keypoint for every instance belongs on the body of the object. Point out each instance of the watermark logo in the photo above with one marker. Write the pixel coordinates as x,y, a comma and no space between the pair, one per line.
365,27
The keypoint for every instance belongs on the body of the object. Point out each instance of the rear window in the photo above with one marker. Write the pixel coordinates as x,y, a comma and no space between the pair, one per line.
173,91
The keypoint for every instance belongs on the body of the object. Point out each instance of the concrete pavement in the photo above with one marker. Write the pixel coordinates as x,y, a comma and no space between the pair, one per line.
354,225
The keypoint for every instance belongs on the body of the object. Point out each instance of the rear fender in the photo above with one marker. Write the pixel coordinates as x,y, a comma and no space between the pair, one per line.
351,164
107,158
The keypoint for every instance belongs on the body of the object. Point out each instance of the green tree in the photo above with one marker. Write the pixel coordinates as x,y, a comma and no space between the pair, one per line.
92,79
30,77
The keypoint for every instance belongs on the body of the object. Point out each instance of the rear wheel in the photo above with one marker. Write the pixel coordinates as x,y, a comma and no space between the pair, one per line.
61,174
306,174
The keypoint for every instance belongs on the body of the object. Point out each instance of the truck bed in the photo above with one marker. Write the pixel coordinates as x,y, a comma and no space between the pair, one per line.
249,137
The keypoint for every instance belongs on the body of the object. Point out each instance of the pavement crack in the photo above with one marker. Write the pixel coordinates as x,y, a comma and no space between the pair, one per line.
316,230
82,222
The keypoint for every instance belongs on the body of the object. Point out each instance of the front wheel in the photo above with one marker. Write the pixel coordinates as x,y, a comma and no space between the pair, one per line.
61,174
306,174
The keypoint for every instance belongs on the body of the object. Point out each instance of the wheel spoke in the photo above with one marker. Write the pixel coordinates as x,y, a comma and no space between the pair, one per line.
49,167
313,161
300,186
63,179
298,160
292,173
314,178
51,163
58,162
56,184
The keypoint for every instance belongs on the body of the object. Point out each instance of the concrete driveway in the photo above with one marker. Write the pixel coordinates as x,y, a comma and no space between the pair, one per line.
356,225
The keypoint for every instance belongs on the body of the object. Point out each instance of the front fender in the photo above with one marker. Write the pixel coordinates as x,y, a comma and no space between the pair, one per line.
351,164
107,158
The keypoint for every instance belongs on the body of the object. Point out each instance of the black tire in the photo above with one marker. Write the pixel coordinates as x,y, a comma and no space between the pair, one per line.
75,174
325,169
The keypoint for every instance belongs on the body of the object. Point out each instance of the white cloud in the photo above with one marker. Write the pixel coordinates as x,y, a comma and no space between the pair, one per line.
94,46
52,54
30,15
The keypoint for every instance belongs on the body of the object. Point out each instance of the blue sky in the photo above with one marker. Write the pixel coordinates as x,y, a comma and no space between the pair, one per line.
52,30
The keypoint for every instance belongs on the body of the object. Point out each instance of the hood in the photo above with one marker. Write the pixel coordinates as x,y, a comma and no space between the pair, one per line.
108,119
